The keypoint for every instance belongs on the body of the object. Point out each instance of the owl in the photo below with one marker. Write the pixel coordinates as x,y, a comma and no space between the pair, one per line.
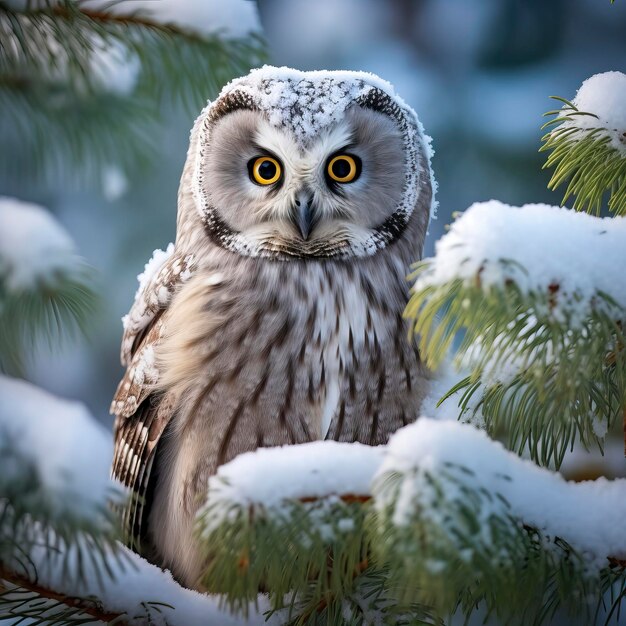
276,317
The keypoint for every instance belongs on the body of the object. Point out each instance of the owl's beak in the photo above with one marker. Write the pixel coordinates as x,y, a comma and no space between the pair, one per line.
303,214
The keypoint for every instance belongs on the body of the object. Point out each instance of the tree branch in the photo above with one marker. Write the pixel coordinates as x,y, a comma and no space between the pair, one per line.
86,606
128,20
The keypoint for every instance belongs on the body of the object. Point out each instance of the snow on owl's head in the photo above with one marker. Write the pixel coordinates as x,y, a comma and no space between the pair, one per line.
289,164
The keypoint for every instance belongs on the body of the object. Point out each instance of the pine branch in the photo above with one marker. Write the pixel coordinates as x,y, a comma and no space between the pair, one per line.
54,311
65,110
57,133
586,159
55,506
543,346
18,601
544,383
324,541
63,40
458,534
434,536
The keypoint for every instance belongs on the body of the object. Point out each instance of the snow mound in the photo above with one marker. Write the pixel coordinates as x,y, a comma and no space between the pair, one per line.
58,442
568,256
588,515
269,477
34,247
603,95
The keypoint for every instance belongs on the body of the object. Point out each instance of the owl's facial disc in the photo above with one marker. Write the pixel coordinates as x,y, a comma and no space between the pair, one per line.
280,196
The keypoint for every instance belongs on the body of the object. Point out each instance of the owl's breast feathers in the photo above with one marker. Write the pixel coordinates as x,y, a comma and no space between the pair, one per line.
262,354
274,353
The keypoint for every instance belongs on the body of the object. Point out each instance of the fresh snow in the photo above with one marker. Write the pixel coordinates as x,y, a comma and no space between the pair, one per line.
604,95
73,463
269,477
71,456
154,264
588,515
570,257
141,591
61,442
34,247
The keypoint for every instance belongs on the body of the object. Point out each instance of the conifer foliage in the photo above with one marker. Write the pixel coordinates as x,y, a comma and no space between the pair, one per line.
521,311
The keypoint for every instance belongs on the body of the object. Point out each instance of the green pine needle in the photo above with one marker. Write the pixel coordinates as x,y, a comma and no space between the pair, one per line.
585,161
569,378
307,555
32,518
50,312
447,555
60,136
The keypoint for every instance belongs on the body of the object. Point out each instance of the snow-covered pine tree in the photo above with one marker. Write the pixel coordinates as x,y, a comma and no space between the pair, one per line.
444,519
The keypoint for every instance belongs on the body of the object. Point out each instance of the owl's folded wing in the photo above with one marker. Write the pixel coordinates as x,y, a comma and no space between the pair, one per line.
141,415
163,274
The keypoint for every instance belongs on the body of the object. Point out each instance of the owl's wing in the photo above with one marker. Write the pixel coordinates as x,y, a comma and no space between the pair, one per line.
163,274
140,415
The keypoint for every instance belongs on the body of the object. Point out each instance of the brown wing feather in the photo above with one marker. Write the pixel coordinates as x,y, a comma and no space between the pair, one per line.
141,414
136,441
141,418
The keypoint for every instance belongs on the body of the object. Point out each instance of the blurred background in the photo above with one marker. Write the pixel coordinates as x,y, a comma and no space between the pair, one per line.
479,73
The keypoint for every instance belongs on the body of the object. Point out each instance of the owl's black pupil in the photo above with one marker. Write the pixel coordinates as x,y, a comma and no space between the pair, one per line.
267,170
341,168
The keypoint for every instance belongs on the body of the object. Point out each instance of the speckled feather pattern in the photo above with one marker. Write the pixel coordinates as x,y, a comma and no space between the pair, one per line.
252,349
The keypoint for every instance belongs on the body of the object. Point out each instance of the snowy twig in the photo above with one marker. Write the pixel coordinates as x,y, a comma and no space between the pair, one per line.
88,607
458,515
44,284
588,144
317,516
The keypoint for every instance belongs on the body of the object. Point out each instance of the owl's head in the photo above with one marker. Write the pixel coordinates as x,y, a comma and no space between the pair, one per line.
289,164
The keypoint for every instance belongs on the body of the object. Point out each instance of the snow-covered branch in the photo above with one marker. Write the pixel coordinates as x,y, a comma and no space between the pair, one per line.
305,501
540,299
588,144
59,554
574,261
44,283
440,505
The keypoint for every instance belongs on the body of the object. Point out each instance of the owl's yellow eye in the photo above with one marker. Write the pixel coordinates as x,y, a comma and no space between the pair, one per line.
343,168
265,170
